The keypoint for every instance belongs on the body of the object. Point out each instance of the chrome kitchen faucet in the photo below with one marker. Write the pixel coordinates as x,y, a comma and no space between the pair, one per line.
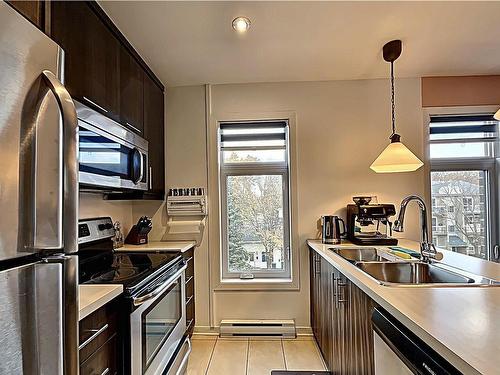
427,248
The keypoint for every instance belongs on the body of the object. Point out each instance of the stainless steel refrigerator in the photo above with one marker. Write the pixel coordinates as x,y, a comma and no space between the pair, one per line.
38,205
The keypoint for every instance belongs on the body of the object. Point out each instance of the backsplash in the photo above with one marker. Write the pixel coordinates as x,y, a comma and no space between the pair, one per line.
92,205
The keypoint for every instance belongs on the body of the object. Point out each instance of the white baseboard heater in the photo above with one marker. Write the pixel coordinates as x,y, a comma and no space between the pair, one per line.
261,328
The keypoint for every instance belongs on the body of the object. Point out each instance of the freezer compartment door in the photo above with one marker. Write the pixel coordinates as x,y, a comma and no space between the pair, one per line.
31,320
38,138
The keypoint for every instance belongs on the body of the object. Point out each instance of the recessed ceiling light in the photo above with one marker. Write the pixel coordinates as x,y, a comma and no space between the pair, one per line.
241,24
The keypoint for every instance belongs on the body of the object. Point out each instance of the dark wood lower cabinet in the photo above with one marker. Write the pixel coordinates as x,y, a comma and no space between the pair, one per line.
103,361
190,301
315,293
341,320
101,341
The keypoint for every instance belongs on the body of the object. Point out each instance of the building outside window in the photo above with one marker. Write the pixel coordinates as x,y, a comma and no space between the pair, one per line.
463,151
254,191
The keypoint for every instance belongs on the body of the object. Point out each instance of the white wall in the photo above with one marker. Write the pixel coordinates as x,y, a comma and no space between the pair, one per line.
341,127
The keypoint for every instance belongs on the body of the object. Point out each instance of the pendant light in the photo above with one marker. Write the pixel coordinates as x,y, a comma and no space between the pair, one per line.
396,157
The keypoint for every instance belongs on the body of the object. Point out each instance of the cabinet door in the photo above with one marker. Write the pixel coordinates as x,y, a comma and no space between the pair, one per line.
92,69
190,290
32,10
341,296
315,271
154,132
328,316
359,358
131,92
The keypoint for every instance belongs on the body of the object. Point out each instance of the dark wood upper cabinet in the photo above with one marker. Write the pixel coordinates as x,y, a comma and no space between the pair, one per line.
92,56
131,92
103,71
154,132
34,11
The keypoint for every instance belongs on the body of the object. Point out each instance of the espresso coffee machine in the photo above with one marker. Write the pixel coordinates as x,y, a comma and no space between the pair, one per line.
369,224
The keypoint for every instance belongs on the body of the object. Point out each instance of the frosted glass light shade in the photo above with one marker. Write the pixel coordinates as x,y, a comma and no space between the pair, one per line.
396,157
497,115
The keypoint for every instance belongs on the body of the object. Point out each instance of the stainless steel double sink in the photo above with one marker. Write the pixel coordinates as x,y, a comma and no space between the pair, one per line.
409,274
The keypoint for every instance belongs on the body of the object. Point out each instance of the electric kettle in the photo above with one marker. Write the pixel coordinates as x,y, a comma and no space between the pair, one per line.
330,229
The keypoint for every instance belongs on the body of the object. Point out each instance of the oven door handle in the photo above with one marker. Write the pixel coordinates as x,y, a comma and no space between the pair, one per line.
137,301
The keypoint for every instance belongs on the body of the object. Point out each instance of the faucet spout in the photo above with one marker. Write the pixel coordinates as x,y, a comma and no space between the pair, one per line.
426,247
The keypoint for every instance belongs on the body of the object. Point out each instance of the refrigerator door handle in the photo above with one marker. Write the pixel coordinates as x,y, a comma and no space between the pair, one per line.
69,133
70,309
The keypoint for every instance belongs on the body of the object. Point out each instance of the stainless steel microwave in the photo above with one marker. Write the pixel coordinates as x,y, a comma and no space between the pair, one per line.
111,157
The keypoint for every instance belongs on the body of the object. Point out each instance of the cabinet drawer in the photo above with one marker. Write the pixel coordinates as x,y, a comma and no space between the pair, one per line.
103,361
96,329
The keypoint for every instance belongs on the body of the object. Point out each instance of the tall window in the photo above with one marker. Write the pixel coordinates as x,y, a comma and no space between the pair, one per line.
463,174
255,208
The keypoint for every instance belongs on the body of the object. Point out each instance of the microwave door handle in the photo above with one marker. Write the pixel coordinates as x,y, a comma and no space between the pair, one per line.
69,166
138,170
141,168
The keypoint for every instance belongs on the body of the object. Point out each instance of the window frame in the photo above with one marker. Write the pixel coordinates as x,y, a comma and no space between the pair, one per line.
282,169
488,164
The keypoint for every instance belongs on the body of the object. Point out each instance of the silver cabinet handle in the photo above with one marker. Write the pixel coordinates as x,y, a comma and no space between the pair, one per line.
70,160
341,292
335,298
150,177
95,104
105,371
496,252
338,295
96,333
133,127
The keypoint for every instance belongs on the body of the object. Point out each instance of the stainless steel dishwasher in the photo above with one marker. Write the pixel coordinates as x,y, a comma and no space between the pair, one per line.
398,351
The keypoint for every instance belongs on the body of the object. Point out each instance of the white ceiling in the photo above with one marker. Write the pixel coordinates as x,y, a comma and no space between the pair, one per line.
189,43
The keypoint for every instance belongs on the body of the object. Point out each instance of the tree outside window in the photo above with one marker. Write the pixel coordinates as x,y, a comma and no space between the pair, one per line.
464,191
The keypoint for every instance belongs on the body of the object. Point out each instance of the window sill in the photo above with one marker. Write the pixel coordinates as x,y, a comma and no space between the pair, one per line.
257,284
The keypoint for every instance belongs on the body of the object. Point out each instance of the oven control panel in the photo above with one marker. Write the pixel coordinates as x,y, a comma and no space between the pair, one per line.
95,229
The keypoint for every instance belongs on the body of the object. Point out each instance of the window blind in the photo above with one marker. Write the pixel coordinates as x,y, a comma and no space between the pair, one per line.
257,135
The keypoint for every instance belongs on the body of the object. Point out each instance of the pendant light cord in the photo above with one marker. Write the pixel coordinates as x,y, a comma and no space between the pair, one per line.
393,106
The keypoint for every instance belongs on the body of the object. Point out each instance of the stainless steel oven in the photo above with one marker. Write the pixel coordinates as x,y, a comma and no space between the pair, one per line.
111,157
158,323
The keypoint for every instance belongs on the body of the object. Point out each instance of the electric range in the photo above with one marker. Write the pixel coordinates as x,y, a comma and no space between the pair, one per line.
154,297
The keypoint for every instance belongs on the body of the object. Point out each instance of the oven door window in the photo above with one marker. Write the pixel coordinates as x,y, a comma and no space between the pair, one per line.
104,156
159,320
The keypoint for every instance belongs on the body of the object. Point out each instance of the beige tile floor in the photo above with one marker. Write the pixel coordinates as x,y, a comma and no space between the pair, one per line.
241,356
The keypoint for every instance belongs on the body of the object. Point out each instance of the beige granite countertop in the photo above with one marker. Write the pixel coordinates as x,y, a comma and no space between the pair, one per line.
181,246
93,296
460,323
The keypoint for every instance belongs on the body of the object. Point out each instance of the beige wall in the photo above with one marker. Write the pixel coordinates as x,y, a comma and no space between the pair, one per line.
92,205
186,165
341,127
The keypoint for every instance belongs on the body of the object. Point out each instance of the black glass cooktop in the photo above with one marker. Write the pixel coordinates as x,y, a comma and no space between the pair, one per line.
130,269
